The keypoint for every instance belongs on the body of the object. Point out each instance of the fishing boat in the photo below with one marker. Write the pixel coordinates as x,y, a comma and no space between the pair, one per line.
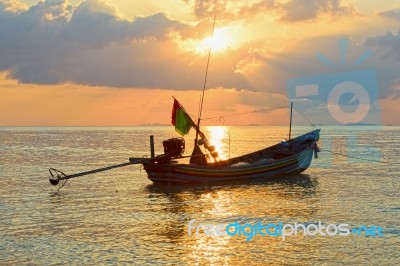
266,163
288,157
291,156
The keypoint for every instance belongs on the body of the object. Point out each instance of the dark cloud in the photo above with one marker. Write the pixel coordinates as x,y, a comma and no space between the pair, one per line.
386,51
392,13
302,10
300,60
387,45
55,42
288,11
155,25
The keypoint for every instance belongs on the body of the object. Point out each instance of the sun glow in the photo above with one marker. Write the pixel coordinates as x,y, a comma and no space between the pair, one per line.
219,138
221,41
224,39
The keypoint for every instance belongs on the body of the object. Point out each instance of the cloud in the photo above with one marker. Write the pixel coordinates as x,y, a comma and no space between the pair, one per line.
303,10
13,6
287,11
386,50
209,7
55,42
392,13
155,25
271,71
386,45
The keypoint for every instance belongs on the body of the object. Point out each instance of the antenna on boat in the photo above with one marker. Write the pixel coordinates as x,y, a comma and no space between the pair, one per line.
290,125
205,82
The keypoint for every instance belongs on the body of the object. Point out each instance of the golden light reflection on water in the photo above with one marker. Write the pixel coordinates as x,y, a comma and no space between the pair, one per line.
219,137
226,204
221,203
118,217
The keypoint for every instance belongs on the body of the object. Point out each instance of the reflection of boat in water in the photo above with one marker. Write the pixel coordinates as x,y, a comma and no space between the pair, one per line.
302,181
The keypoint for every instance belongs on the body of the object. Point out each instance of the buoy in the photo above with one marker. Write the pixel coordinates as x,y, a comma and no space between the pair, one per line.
206,144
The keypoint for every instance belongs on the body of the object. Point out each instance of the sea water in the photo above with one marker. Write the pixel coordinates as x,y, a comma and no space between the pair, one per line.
119,216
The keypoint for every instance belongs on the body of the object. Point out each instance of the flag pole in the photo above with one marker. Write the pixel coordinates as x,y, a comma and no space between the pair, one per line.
205,82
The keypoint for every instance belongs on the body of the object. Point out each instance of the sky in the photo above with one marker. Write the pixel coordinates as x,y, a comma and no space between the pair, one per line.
118,63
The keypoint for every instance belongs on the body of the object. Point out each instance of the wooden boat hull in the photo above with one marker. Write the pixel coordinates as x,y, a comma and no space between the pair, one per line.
188,173
199,174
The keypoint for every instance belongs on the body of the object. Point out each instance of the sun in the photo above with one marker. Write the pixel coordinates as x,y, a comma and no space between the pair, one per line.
217,43
221,41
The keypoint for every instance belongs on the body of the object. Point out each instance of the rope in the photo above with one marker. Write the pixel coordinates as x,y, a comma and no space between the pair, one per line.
221,118
256,111
305,117
62,184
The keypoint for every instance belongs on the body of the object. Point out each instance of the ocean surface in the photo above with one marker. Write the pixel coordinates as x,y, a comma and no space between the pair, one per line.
120,217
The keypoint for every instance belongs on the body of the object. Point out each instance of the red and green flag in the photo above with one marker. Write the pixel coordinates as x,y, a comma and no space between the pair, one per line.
180,119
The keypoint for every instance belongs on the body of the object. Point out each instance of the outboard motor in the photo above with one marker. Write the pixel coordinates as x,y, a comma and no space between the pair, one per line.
174,148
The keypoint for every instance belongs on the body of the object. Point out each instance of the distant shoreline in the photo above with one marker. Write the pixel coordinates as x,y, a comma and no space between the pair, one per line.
168,125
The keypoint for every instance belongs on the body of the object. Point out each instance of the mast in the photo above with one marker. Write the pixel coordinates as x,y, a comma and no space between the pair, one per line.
290,126
205,82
